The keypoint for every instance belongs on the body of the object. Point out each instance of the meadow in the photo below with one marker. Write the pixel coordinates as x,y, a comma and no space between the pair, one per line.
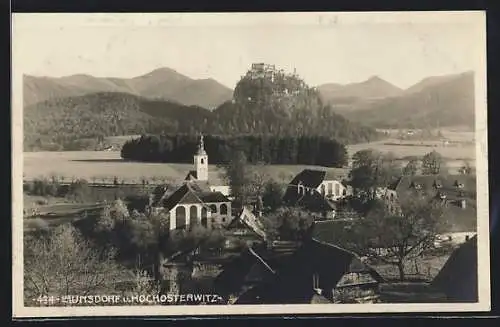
100,166
103,166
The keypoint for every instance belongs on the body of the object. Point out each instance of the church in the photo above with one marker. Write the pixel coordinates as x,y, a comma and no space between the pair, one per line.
196,201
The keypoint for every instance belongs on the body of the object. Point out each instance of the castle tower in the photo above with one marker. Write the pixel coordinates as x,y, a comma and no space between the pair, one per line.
201,162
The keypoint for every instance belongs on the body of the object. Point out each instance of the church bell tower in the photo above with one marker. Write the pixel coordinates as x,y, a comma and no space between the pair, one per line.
201,162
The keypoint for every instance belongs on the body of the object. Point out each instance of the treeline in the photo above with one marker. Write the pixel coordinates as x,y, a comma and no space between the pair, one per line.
258,149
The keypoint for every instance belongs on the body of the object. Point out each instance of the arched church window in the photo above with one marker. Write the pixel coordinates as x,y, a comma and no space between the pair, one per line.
193,215
204,217
213,208
223,209
180,217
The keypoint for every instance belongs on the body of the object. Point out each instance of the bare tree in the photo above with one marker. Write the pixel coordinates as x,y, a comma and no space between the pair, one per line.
402,236
62,263
433,163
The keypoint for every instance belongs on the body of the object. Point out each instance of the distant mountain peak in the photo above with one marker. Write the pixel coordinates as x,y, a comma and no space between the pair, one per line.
160,83
373,87
375,78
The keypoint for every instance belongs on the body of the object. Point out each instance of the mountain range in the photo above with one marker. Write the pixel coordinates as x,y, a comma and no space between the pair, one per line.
258,107
431,103
163,83
434,101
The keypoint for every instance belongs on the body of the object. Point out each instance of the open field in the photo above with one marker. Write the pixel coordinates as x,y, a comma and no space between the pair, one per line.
407,148
455,145
96,165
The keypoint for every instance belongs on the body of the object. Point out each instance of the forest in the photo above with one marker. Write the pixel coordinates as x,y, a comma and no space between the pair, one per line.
258,149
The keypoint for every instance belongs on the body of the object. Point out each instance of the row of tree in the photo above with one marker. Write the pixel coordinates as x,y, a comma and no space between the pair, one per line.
267,149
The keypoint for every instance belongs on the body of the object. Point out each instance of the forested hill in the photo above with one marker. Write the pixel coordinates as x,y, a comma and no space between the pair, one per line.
77,123
283,106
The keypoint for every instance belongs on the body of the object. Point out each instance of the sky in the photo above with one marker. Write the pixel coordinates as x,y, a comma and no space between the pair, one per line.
324,48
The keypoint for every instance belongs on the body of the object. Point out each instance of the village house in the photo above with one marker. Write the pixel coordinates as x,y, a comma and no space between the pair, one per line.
456,192
316,272
317,191
195,201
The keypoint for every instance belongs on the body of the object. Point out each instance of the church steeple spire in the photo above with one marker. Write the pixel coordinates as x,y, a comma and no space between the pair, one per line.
201,147
201,161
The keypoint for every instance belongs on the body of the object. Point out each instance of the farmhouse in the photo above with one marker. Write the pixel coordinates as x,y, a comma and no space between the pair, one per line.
195,201
317,191
316,272
456,192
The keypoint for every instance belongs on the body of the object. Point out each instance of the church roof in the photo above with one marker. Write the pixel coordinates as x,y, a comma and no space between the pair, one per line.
213,197
191,192
213,177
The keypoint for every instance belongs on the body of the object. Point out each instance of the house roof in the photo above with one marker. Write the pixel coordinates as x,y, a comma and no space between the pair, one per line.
247,219
314,177
456,218
243,271
291,281
338,260
458,278
314,201
448,184
336,232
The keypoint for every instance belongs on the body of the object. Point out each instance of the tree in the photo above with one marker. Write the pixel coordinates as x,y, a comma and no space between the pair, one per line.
289,223
64,263
372,169
238,176
403,236
411,168
196,239
257,178
432,163
272,196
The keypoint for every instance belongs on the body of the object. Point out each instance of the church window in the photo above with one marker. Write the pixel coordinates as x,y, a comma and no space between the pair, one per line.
213,208
223,209
202,160
180,217
204,217
193,215
330,188
337,189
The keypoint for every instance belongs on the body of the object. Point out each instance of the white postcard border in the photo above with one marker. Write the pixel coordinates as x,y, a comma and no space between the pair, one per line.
20,311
